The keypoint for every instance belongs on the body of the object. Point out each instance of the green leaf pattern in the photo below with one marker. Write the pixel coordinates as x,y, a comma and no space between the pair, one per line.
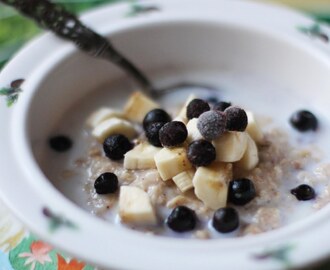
280,254
56,221
11,94
315,31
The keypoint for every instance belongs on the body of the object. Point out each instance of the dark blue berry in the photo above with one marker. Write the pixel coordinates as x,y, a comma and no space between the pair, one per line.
106,183
241,191
221,106
173,134
236,119
196,107
212,100
156,115
60,143
304,121
116,146
303,192
152,133
225,220
182,219
201,153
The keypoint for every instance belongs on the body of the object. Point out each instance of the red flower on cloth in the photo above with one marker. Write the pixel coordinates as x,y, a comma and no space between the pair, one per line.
39,254
71,265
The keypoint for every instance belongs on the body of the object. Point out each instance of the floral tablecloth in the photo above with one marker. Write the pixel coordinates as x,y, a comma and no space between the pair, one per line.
19,249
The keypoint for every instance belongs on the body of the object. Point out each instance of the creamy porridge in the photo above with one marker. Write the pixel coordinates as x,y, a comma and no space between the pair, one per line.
222,178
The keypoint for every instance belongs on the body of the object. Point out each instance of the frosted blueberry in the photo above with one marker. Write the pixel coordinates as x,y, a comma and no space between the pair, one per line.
212,124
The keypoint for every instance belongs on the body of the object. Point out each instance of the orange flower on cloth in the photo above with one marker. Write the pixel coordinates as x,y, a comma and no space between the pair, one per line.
71,265
39,253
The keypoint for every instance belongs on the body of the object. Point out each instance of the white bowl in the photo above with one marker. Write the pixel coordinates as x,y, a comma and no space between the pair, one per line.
173,43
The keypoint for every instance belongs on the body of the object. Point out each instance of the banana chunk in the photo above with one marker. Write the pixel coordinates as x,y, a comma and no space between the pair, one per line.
141,157
250,158
183,112
193,132
210,184
113,126
138,106
253,128
184,180
135,206
171,161
102,114
231,146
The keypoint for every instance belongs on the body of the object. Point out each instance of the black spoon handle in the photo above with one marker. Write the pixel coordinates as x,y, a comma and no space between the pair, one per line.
66,25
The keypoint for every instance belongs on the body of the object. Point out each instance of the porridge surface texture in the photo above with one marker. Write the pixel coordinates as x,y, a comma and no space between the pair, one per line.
281,167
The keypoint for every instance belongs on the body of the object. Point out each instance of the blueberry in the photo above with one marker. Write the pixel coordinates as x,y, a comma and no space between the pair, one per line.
116,146
196,107
212,100
304,121
212,124
221,106
241,191
173,134
60,143
201,153
182,219
225,220
106,183
156,115
303,192
152,133
236,119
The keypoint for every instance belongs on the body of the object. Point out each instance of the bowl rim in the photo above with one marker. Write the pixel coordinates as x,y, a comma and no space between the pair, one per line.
45,194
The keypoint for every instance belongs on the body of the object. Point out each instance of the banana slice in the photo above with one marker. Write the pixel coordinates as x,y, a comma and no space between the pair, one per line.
138,106
183,112
184,180
171,161
193,132
231,146
250,158
210,184
141,157
102,114
135,206
113,126
253,128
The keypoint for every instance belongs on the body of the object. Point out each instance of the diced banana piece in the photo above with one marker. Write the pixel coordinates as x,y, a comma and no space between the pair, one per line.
231,146
184,180
102,114
250,158
253,128
183,112
141,157
210,184
135,206
138,106
113,126
193,132
171,161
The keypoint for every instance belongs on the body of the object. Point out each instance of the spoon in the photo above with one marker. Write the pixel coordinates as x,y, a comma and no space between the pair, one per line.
66,25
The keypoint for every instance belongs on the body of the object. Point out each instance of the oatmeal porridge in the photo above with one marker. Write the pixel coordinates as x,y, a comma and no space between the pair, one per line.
204,167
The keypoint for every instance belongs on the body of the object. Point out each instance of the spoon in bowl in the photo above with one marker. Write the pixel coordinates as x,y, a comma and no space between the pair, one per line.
66,25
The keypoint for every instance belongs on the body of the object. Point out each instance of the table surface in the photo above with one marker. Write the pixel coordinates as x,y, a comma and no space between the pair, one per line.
19,249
